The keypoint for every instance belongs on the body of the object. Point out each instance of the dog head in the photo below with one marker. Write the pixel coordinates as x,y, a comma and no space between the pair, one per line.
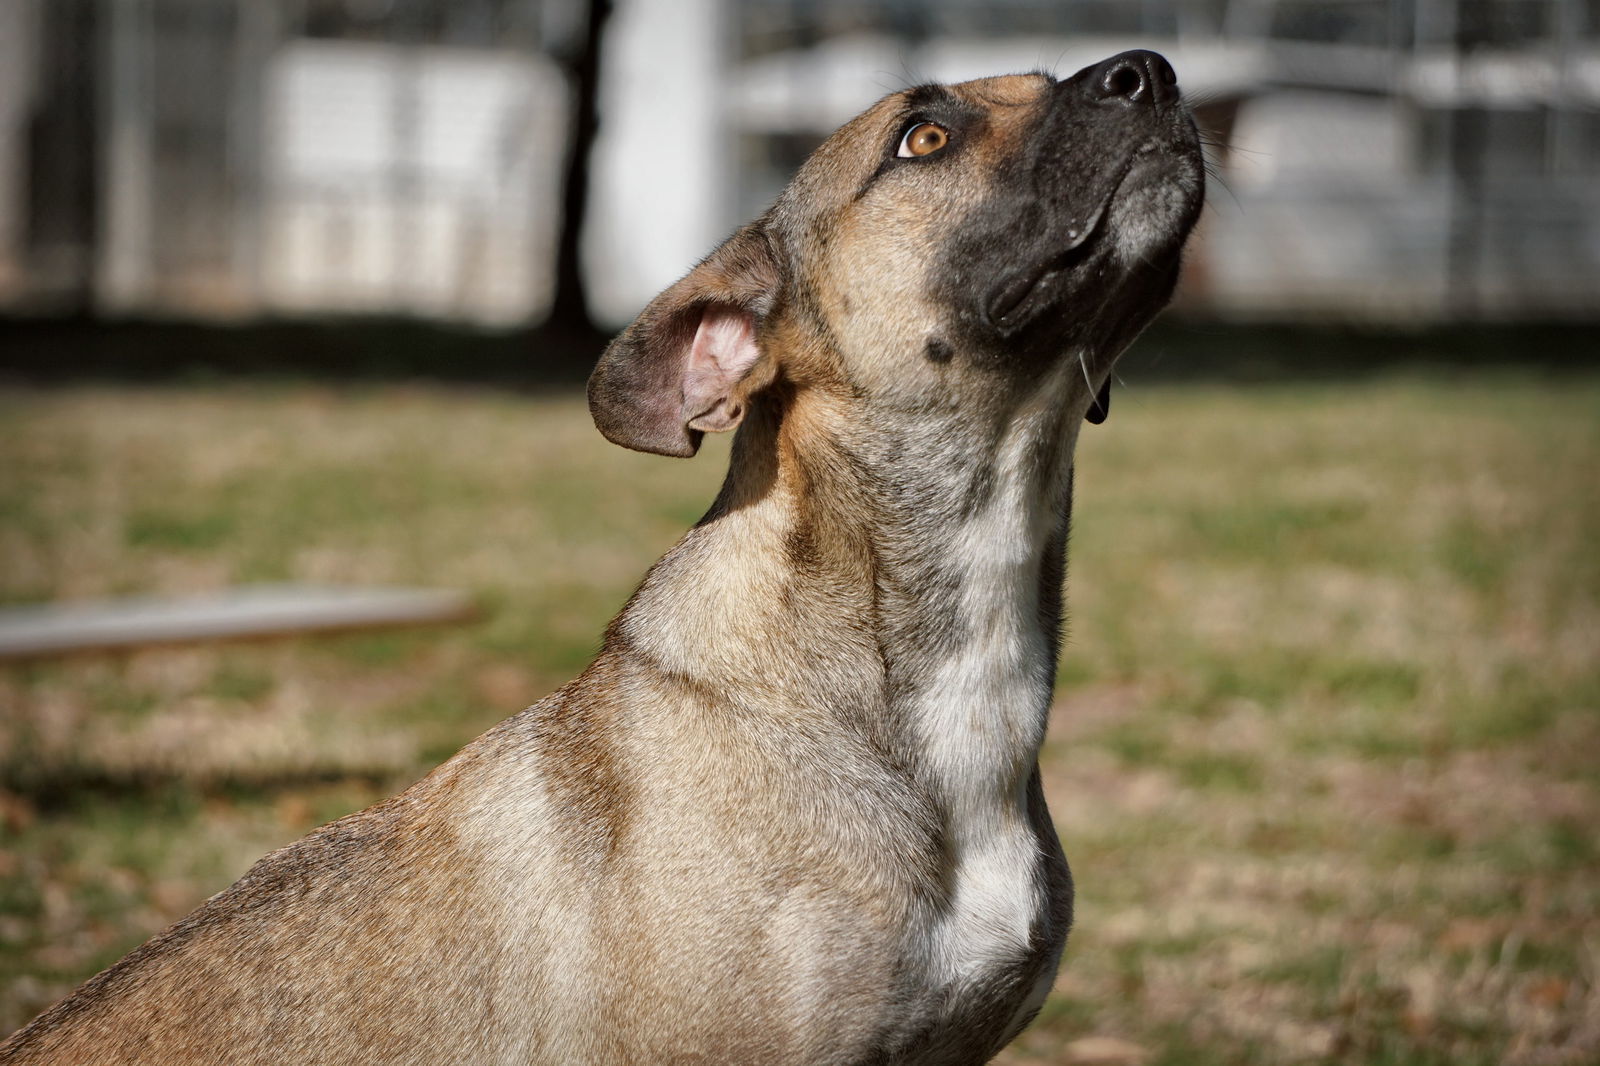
951,243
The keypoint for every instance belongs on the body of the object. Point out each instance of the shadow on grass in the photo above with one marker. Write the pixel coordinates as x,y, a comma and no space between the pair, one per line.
63,350
61,789
66,350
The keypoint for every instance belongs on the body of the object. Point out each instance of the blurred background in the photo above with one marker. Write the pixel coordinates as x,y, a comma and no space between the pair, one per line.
294,293
495,162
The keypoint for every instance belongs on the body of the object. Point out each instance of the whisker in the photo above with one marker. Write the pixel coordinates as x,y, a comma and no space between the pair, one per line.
1094,396
1222,183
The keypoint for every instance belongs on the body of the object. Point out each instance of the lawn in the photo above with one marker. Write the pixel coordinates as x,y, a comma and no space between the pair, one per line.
1326,757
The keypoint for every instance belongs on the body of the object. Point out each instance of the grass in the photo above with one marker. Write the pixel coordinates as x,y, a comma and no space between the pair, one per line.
1326,758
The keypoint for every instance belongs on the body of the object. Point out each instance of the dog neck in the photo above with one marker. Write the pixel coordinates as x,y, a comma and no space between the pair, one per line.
902,572
894,577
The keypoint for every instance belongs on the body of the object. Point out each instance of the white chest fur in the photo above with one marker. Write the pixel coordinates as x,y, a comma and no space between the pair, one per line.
981,719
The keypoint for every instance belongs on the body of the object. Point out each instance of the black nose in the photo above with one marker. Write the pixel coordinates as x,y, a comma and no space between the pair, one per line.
1138,77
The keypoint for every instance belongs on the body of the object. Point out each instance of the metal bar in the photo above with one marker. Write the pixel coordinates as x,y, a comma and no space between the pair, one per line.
251,613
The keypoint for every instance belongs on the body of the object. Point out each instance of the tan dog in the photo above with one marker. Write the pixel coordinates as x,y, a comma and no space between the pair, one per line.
791,813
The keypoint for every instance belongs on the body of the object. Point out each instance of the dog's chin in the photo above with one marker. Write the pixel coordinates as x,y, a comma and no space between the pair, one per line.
1154,211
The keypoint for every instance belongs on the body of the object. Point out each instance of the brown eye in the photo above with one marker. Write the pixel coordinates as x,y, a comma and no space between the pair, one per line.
923,139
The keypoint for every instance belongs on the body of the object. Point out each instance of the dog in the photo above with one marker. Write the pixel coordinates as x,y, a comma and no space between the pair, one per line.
792,811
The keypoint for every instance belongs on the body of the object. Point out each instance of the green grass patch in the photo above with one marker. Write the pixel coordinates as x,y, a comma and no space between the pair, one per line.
1218,770
165,530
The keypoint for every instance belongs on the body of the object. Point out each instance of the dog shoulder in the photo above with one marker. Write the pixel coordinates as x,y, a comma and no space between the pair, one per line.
288,955
182,975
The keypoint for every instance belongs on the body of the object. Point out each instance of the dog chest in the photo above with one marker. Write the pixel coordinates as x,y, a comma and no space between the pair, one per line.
980,721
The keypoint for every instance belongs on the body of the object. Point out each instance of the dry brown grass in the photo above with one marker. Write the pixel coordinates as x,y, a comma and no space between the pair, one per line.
1327,758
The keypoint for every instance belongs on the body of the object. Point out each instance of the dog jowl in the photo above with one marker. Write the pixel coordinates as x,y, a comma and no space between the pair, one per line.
792,811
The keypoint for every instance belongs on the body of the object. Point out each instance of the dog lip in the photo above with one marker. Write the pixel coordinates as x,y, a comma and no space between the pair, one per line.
1014,295
1013,306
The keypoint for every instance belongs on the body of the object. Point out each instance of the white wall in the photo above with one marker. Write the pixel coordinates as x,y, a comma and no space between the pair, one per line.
421,180
661,186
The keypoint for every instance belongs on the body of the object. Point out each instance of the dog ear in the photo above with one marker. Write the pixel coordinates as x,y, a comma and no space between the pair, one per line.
689,363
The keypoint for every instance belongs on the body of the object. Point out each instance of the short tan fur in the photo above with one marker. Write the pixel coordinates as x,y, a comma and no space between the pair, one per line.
791,813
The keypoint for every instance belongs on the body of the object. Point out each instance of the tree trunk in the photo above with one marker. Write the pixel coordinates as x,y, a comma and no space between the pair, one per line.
63,233
569,311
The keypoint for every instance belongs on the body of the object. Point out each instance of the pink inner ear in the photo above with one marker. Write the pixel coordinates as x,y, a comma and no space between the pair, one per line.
724,350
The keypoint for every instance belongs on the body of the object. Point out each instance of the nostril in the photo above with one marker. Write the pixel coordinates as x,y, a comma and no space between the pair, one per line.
1136,79
1124,79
